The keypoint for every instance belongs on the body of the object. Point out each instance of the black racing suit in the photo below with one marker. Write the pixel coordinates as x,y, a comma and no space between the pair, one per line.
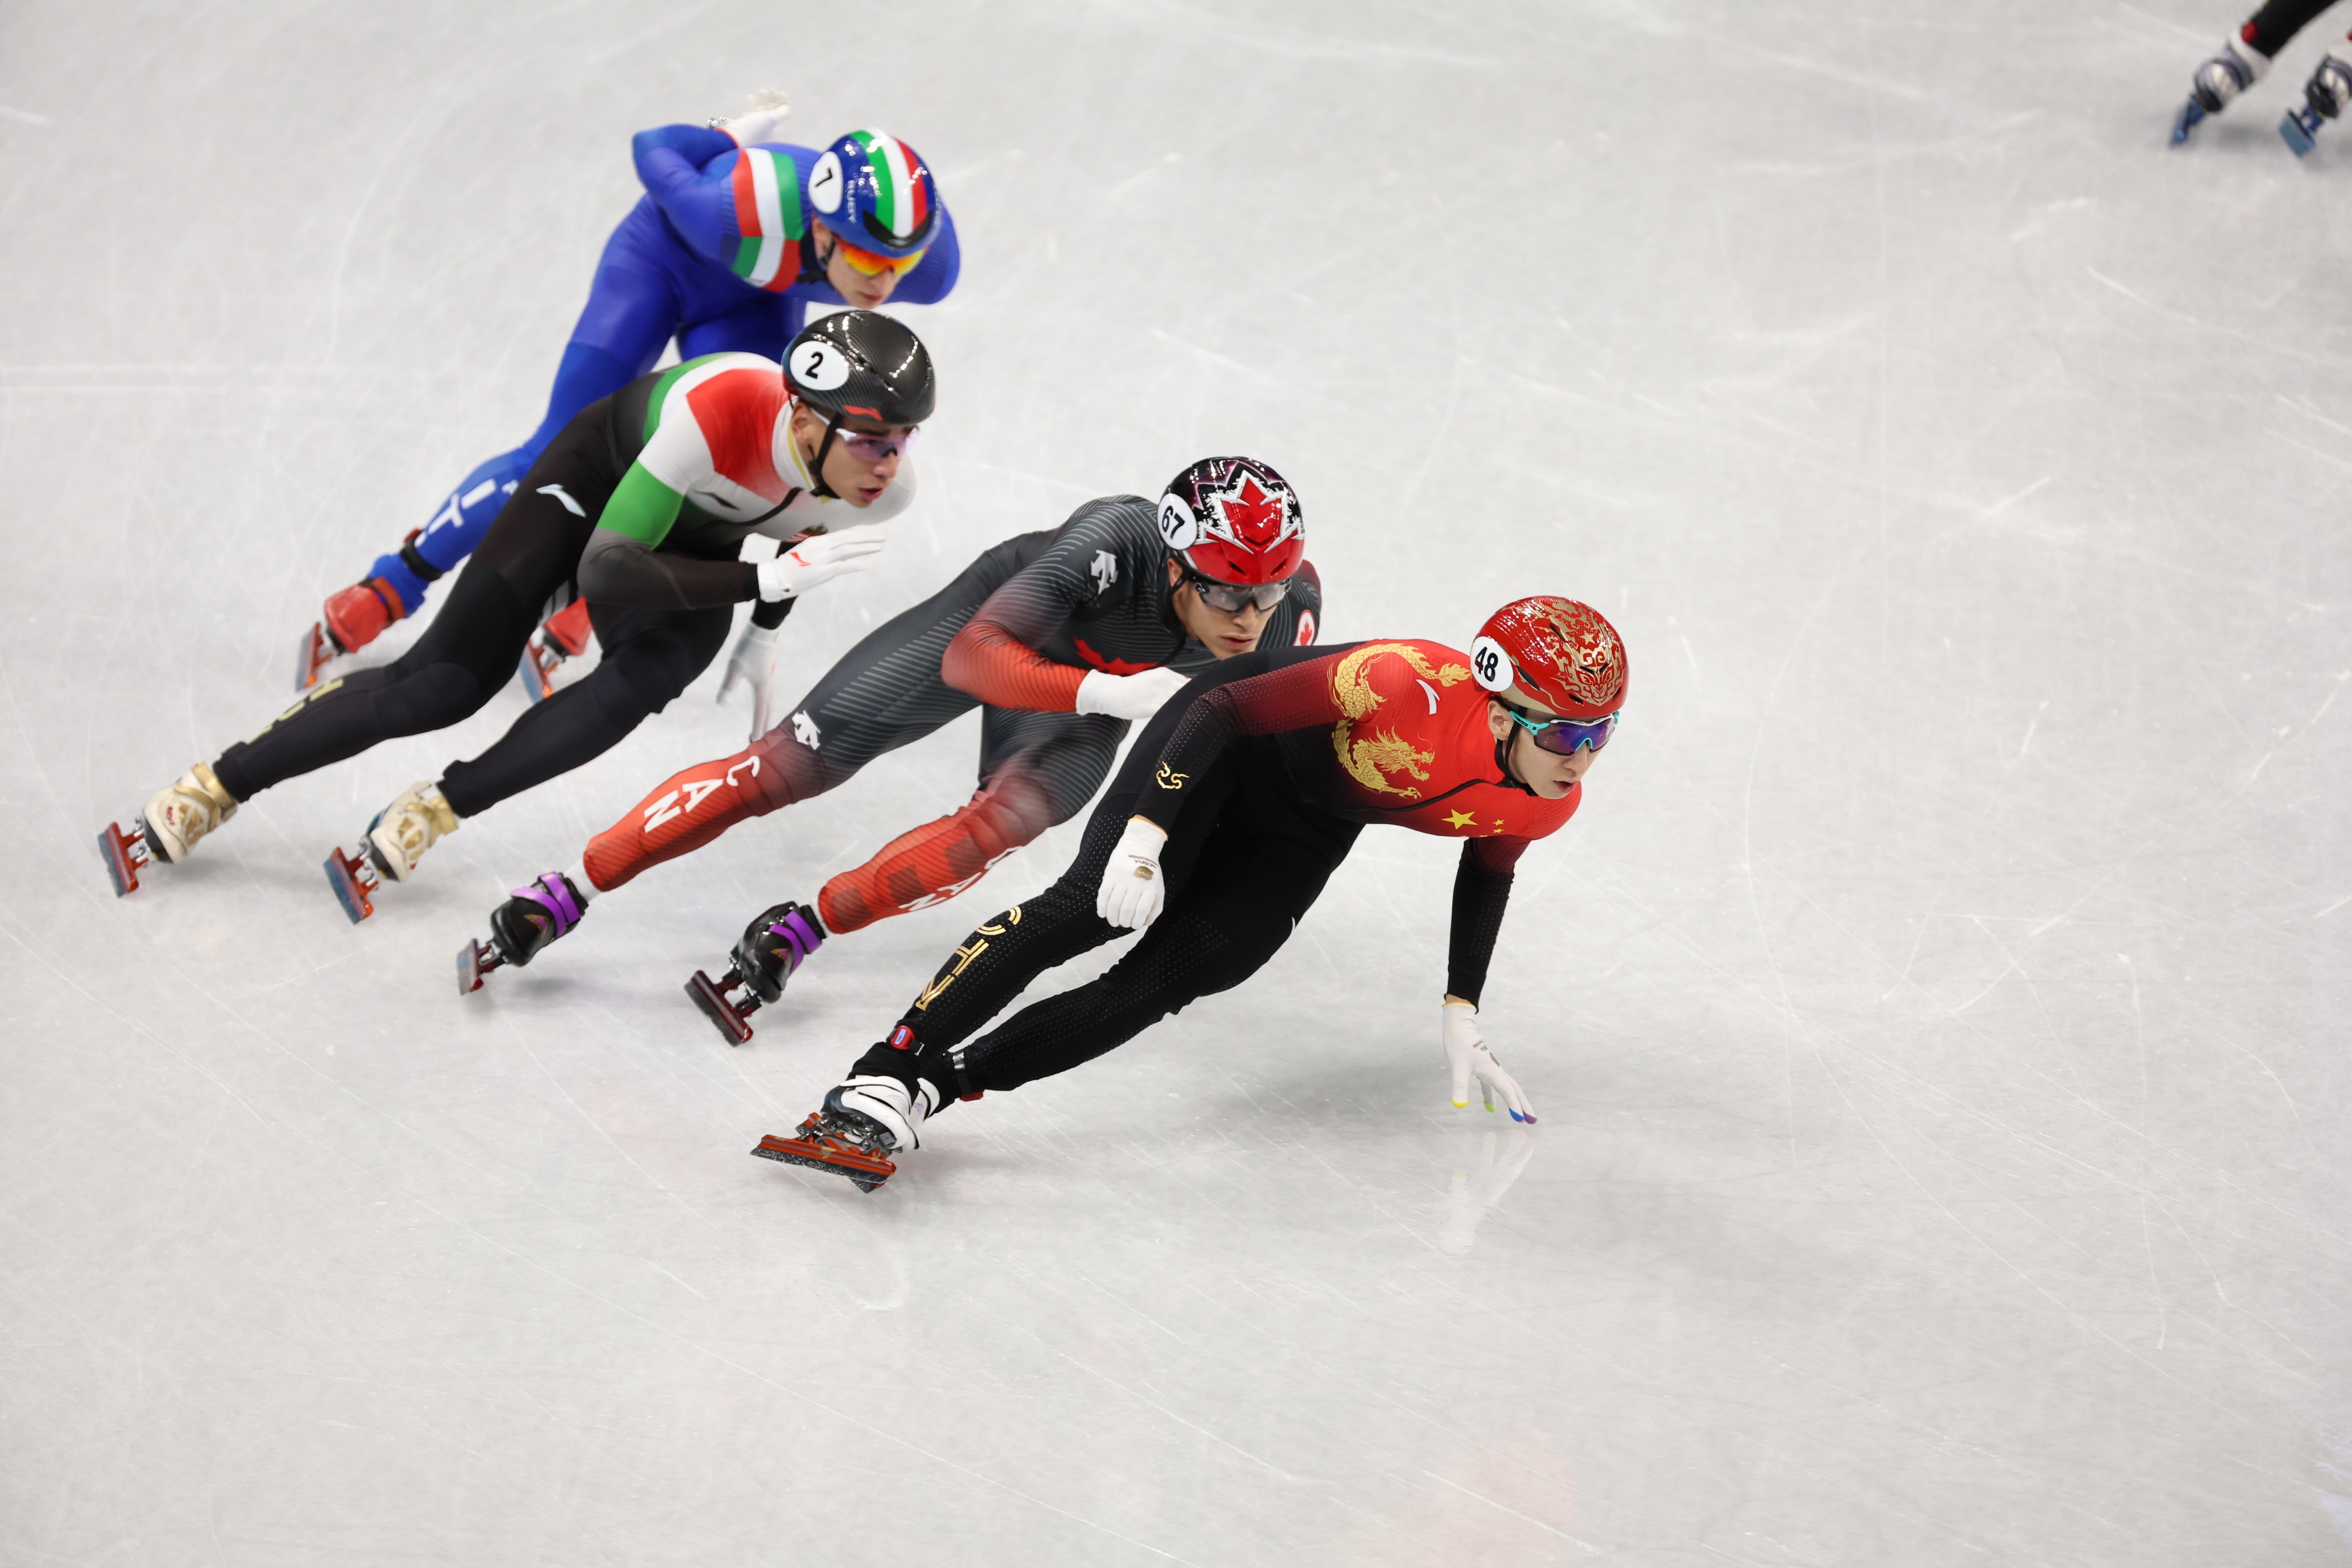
1012,634
660,623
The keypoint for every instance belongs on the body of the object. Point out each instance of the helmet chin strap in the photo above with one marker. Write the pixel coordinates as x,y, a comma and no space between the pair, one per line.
1168,616
818,487
1503,757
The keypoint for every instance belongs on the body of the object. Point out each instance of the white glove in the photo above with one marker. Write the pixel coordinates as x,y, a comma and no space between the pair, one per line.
764,116
753,664
1134,697
819,558
1468,1055
1132,887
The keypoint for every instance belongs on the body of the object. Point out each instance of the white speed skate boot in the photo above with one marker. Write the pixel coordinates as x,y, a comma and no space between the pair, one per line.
396,840
184,812
2236,68
865,1122
174,819
417,819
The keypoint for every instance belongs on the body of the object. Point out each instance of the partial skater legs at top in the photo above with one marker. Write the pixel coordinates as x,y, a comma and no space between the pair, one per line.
2244,58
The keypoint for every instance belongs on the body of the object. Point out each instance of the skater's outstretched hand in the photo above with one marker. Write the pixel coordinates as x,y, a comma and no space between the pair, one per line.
753,664
1132,887
1468,1053
817,559
1134,698
767,108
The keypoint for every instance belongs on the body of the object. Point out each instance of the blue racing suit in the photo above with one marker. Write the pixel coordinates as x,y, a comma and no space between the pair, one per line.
710,255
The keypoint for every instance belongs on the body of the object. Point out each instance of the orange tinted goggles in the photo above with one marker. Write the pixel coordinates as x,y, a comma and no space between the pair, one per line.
873,264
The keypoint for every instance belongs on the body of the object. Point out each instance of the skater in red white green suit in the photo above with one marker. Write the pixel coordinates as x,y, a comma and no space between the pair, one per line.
638,508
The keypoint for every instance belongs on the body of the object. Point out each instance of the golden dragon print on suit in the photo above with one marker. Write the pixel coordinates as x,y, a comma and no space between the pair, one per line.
1371,758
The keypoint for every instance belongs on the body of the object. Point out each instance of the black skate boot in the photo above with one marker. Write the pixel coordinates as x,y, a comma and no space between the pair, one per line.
2325,97
521,928
773,948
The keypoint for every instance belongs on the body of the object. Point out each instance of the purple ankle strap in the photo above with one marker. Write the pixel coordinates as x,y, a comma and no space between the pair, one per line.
552,892
801,933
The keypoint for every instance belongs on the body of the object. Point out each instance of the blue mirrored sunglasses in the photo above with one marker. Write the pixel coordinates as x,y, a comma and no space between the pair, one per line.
1565,736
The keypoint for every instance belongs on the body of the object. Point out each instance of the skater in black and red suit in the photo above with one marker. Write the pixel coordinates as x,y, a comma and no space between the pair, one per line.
1240,799
1060,638
2245,58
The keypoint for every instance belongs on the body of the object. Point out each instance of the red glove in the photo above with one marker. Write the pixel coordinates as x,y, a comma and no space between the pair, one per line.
355,617
569,628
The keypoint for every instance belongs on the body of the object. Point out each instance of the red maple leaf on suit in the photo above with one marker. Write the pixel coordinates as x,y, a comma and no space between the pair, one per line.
1114,666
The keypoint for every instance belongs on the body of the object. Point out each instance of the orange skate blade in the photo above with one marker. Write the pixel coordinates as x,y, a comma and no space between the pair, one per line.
352,880
125,853
536,669
820,1152
317,652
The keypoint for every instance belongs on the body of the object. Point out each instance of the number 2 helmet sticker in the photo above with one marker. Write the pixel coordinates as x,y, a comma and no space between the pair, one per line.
861,365
819,366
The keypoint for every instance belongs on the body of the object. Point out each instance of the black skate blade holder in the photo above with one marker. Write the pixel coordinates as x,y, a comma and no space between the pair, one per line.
733,1018
474,960
125,853
352,880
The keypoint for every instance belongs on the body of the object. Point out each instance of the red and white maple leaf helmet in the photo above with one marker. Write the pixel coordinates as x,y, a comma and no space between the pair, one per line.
1233,520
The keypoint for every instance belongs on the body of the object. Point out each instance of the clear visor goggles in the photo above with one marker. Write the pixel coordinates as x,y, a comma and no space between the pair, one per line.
1565,737
1232,597
877,445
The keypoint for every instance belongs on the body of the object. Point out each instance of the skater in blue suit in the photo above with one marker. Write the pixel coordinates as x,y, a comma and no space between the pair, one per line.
735,236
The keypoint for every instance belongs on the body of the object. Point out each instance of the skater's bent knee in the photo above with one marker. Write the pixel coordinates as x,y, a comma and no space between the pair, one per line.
433,699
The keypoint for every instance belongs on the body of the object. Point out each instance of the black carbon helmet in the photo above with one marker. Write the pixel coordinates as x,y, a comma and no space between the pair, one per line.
861,365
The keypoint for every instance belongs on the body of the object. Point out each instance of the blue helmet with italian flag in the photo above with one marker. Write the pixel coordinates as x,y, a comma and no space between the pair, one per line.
874,192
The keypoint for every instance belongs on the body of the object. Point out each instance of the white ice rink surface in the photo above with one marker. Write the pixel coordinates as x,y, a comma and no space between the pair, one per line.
1936,1013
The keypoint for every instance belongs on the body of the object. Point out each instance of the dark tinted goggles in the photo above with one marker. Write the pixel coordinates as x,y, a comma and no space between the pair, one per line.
1565,737
1230,597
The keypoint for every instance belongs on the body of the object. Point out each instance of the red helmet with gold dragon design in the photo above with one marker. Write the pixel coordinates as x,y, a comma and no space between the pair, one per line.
1562,652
